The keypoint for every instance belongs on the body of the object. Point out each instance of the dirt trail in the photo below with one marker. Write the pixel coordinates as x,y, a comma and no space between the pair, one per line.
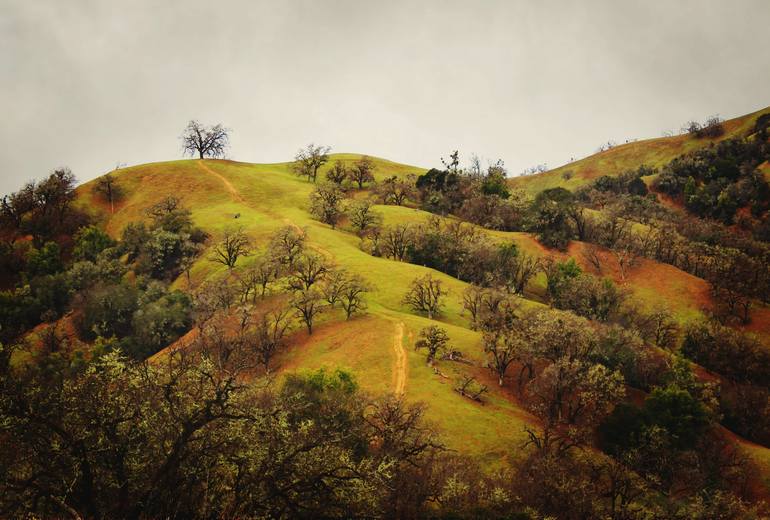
400,367
233,191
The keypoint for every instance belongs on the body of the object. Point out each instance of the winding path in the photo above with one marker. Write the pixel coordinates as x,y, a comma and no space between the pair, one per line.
400,366
228,185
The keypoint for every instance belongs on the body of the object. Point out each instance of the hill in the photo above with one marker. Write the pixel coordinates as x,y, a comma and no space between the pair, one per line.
580,323
379,347
653,152
267,197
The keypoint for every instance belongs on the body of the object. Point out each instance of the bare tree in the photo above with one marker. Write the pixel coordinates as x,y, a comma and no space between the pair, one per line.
308,269
516,270
308,304
362,171
287,244
395,241
325,203
475,169
625,252
489,308
309,160
352,296
433,339
362,217
425,295
257,278
204,141
234,244
467,386
664,327
591,254
266,337
334,285
503,350
395,190
108,187
165,206
337,173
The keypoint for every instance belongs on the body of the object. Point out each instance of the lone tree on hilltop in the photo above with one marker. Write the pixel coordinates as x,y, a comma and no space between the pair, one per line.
205,141
309,160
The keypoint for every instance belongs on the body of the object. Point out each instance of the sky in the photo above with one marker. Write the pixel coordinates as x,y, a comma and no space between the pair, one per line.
93,84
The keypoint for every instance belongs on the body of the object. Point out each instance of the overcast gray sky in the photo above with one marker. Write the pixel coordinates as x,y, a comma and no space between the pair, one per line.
88,84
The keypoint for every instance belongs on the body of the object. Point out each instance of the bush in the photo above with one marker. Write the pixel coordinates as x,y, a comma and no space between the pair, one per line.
46,260
89,242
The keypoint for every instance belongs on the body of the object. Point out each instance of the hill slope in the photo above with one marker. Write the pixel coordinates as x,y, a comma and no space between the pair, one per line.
379,346
652,152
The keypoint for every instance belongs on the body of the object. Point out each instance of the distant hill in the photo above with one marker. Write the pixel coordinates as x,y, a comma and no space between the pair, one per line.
651,152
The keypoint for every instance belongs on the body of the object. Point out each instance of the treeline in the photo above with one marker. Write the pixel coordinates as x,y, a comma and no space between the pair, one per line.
43,210
717,181
187,437
573,374
735,266
87,279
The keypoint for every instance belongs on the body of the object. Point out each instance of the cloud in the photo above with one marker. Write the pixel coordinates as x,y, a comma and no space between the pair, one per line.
88,84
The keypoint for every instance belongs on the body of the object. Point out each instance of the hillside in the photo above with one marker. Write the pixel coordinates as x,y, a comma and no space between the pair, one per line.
605,335
653,152
378,347
268,197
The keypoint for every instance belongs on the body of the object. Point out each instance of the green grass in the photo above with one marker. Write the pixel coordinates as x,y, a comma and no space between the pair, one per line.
269,196
652,152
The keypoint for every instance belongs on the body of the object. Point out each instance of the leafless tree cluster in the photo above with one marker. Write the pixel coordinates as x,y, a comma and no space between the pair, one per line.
396,190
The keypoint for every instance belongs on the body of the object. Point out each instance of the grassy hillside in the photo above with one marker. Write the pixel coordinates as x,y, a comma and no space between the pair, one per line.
652,152
267,197
377,347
